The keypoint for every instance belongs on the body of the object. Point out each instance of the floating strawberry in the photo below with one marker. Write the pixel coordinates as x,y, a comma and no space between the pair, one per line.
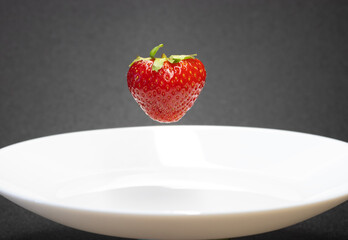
166,87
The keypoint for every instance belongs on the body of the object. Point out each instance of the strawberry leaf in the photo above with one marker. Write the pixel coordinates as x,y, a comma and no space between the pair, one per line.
178,58
138,59
158,64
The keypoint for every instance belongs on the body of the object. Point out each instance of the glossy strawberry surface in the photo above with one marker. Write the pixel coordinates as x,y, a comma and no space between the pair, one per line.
167,94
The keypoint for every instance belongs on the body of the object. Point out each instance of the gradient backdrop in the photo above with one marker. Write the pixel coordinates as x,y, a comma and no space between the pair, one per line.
276,64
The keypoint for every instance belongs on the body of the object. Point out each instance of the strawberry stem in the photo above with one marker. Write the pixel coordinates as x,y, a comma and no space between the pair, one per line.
154,51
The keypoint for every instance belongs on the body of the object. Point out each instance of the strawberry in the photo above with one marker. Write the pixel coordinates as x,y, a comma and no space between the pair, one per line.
166,87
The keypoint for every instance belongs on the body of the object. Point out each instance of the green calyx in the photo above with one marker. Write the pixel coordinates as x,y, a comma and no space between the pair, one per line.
158,62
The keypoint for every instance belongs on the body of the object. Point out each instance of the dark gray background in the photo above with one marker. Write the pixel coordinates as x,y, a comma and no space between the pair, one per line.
274,64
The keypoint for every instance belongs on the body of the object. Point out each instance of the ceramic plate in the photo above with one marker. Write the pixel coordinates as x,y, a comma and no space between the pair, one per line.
176,182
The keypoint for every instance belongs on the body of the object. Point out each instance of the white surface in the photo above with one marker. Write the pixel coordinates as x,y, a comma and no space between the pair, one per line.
177,182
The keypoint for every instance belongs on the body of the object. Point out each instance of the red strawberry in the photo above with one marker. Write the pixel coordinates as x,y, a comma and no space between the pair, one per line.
166,88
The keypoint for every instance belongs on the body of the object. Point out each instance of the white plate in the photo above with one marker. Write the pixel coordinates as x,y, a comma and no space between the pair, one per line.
177,182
